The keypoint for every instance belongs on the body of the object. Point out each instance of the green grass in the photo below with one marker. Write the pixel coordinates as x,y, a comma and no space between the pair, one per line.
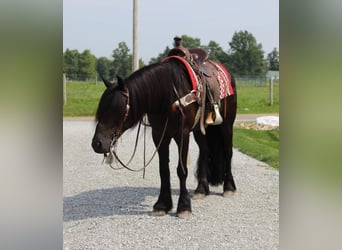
82,98
255,99
260,144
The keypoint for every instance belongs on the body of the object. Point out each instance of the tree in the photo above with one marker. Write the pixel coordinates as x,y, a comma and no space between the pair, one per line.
71,63
87,63
160,56
190,42
273,60
187,42
103,67
246,56
141,63
216,53
122,61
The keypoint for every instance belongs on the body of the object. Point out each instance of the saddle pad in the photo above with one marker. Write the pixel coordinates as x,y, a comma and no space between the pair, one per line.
223,77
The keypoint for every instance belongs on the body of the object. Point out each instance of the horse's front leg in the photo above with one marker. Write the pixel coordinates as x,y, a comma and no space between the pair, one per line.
184,202
164,202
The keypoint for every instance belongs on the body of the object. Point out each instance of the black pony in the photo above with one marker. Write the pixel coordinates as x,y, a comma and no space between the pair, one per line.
153,90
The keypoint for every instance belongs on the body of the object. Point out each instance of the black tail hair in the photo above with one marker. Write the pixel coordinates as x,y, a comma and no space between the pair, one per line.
217,157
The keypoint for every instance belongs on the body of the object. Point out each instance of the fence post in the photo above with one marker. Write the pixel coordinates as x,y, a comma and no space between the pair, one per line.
64,90
271,92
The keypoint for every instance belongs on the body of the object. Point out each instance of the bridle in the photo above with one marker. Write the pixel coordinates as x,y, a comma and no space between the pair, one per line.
118,132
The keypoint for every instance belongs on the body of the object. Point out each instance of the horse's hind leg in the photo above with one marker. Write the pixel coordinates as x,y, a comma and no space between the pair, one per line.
202,164
184,202
164,202
228,185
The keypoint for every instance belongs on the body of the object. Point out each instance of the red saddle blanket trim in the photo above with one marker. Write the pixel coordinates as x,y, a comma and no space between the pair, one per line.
193,77
224,79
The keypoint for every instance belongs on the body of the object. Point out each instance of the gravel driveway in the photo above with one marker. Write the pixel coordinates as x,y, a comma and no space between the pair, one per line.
107,209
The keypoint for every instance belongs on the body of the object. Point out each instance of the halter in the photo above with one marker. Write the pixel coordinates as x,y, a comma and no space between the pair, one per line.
118,132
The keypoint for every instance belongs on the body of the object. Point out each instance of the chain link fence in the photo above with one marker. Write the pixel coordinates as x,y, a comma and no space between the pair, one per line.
261,81
81,78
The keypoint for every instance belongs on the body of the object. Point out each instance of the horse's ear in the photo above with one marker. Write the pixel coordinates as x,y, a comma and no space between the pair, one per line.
120,82
106,82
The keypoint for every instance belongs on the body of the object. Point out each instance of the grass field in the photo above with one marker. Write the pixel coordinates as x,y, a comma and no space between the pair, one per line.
83,98
255,99
260,144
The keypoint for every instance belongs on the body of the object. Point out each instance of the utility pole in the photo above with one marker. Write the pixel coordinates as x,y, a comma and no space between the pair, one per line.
135,65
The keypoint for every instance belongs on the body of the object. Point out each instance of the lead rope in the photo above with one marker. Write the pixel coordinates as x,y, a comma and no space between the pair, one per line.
109,161
113,153
180,148
144,171
160,142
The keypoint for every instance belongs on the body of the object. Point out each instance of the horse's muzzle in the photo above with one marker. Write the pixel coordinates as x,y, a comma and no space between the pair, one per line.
99,147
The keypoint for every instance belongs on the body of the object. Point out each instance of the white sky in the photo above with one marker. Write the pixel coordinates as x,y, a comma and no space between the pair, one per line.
100,25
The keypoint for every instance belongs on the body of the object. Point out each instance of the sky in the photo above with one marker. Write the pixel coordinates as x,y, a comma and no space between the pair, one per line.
102,24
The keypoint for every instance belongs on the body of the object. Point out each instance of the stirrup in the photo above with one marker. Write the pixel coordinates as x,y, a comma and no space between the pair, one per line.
209,120
218,118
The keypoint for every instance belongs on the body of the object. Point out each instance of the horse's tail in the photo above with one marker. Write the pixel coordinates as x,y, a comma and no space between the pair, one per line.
220,145
217,158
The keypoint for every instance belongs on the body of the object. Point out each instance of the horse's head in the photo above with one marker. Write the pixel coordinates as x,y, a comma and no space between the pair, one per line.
111,116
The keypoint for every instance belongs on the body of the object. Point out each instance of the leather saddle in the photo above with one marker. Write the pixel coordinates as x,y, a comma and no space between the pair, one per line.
198,56
205,69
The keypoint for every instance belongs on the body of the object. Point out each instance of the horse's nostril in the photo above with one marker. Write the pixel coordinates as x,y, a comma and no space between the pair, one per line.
96,144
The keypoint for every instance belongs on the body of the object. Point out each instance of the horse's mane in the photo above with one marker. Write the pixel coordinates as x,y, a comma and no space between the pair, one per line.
150,89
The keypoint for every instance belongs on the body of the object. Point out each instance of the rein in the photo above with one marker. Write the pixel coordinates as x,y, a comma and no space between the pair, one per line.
114,155
109,161
118,133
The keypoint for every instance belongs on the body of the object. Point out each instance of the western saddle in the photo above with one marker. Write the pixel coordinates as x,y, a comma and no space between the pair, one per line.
205,71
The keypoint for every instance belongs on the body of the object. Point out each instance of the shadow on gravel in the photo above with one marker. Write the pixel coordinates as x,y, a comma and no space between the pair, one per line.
108,202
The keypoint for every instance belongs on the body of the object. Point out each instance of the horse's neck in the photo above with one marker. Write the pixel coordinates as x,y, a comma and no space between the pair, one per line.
144,101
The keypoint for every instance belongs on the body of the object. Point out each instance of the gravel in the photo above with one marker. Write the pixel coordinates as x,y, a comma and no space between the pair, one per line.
111,209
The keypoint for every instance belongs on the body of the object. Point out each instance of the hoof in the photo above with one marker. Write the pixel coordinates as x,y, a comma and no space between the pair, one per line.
228,193
158,213
184,214
198,196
